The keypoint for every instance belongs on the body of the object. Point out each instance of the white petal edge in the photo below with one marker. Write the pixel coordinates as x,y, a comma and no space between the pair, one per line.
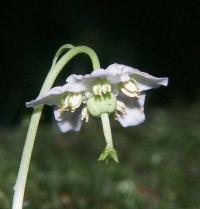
51,97
79,83
68,121
74,78
54,95
144,80
134,112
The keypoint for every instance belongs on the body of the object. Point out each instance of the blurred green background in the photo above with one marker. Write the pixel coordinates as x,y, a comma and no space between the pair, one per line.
159,160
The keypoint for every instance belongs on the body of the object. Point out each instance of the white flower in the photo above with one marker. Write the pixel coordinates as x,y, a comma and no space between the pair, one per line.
119,89
65,103
69,98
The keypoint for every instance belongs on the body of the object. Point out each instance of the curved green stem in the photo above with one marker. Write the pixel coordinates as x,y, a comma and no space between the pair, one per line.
29,143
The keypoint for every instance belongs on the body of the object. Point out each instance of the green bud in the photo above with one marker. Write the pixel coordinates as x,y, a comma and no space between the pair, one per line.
97,105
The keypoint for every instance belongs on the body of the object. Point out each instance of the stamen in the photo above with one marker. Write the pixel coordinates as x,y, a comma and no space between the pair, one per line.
117,115
101,87
120,109
108,87
84,114
129,94
130,89
66,102
130,86
97,89
71,102
61,110
75,101
104,89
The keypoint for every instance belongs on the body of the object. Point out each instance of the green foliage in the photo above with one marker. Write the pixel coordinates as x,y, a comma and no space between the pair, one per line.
158,169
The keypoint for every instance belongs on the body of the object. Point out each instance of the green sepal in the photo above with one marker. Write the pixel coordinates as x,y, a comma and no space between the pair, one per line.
107,154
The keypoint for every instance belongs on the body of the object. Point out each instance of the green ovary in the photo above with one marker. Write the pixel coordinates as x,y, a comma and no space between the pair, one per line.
97,105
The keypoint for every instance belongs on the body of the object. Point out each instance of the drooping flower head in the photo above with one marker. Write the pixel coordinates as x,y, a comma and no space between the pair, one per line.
118,89
121,86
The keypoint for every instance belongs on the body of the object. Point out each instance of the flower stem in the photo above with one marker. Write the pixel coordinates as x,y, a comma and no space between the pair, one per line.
107,130
109,151
30,138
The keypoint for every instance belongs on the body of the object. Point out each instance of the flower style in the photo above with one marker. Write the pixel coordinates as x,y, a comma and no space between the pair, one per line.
118,89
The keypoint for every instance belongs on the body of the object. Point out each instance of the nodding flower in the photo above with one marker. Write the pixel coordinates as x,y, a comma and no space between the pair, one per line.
118,90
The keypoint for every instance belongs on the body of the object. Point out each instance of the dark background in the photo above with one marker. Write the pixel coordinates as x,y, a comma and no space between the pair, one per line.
161,39
159,160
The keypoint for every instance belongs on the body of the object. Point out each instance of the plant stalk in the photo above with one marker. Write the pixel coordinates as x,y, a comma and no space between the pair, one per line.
56,68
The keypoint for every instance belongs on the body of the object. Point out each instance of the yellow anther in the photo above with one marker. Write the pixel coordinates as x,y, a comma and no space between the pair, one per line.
84,114
108,87
94,89
130,86
66,103
61,110
71,102
104,89
130,89
101,88
100,91
120,109
75,101
129,94
117,115
97,90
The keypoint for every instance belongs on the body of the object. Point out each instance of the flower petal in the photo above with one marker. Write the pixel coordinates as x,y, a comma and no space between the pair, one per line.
85,82
134,112
51,97
75,87
54,95
68,121
145,81
74,78
119,74
95,74
100,73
